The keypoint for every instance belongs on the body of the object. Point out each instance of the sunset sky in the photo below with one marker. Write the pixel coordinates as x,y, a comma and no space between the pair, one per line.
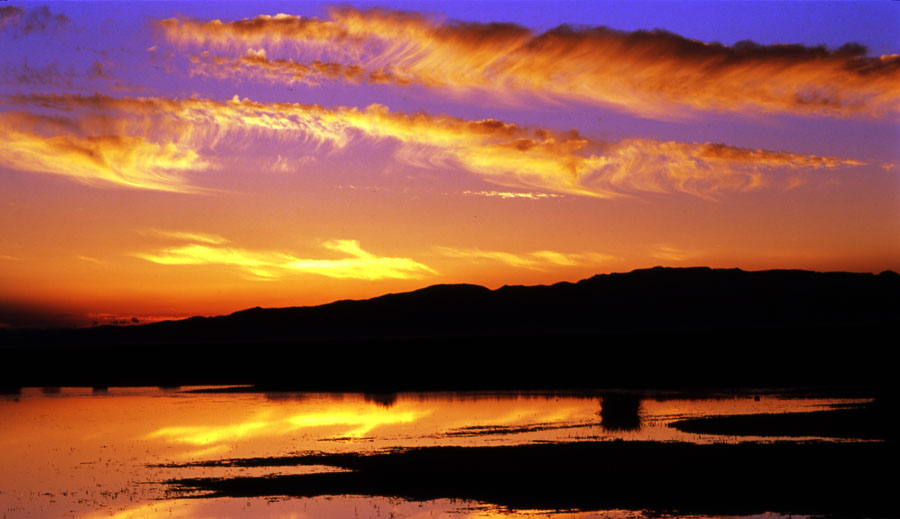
168,159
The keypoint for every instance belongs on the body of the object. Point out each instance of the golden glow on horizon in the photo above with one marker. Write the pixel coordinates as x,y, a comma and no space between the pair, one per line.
650,73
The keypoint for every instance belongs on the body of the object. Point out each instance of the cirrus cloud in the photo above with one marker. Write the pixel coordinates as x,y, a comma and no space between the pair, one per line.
31,144
535,260
651,73
17,22
153,143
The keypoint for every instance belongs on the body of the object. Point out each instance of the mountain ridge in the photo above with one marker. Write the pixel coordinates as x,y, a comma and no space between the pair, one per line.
695,285
653,326
441,286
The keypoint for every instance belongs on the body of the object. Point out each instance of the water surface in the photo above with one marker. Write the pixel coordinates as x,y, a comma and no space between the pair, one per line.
83,453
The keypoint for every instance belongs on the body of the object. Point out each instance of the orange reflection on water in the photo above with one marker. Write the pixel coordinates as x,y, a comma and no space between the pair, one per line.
271,424
245,425
359,507
74,453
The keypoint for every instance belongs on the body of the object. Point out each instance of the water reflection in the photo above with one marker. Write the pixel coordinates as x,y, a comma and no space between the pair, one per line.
354,423
367,508
75,451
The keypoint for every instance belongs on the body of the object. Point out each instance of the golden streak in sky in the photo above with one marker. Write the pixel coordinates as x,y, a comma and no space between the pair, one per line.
651,73
512,194
265,265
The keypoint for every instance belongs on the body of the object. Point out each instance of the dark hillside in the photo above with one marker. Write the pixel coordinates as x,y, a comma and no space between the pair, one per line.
672,326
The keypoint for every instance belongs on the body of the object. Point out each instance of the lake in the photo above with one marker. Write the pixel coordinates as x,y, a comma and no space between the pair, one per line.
109,453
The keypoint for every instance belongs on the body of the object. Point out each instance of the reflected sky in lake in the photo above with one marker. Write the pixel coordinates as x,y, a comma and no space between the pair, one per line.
364,508
81,453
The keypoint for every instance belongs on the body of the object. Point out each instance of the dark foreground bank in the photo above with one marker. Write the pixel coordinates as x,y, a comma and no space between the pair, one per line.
840,480
876,421
724,360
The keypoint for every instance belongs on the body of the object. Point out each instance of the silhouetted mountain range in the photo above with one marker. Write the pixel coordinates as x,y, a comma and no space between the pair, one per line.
671,313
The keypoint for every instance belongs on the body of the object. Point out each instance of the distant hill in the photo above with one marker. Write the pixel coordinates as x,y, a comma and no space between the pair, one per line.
675,313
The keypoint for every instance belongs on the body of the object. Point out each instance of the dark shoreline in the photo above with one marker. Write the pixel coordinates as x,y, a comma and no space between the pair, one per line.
872,422
685,360
792,478
808,477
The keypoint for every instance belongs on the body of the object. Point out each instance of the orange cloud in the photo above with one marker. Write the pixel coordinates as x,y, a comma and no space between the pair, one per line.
499,152
184,236
255,66
94,159
512,194
670,253
652,73
263,265
263,28
537,260
145,143
703,170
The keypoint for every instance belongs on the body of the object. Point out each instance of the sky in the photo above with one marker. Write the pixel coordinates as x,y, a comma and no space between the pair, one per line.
167,159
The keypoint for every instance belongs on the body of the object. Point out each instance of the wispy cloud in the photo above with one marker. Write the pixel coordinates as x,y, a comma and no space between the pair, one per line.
16,21
47,145
511,195
671,253
652,73
183,236
91,259
45,75
701,169
151,142
255,66
267,264
536,260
